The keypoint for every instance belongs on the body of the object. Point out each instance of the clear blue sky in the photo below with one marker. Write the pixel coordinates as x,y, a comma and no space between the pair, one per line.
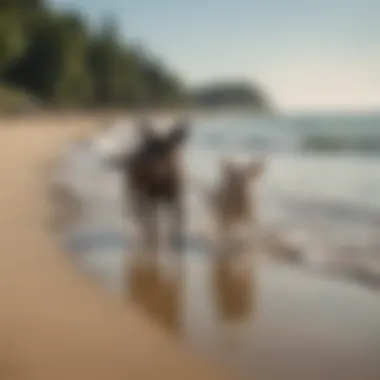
309,54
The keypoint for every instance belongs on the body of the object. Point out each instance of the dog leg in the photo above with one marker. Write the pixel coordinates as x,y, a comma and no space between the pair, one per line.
132,207
150,227
177,227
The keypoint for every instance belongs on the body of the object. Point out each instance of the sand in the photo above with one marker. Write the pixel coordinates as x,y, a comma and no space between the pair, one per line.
54,323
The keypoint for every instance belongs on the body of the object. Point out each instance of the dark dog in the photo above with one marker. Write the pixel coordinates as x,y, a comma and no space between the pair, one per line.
153,178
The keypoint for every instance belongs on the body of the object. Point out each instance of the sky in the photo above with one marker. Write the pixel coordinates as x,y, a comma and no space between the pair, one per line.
307,54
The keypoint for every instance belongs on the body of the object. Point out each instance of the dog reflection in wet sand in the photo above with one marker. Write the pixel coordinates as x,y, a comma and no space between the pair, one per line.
231,204
234,287
155,292
153,178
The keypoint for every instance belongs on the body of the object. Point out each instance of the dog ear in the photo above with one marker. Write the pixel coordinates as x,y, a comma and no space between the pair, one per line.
255,169
179,133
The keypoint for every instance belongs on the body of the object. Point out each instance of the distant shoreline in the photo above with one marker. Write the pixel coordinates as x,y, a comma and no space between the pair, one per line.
130,114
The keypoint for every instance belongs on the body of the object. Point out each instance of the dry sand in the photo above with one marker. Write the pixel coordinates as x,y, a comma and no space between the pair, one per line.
54,324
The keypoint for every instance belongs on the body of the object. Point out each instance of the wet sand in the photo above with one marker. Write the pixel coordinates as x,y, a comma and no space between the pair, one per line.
54,323
258,317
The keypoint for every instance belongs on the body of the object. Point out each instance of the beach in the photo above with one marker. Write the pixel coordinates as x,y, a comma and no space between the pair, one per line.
55,323
291,313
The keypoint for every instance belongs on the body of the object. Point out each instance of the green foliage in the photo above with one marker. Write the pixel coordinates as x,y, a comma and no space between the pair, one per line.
12,39
55,57
22,4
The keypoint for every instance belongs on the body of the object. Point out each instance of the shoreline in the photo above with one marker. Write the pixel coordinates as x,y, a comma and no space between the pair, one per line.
58,324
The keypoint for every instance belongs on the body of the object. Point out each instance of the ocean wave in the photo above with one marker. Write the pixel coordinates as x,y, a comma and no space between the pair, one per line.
320,143
331,143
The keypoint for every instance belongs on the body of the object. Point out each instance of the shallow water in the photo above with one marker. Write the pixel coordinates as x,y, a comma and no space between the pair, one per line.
314,318
327,205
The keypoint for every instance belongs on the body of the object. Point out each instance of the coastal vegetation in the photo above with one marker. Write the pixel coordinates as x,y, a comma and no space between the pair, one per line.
231,93
52,59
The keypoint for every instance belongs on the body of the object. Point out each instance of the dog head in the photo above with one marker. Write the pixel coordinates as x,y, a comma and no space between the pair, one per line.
157,154
239,176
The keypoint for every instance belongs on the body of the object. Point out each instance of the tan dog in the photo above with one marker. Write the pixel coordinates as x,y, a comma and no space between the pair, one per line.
230,202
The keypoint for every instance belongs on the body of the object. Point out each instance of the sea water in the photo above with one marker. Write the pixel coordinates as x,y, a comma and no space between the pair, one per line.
320,190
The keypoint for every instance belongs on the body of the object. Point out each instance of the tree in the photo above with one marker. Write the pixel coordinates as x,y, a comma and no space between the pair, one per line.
12,40
23,4
54,56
